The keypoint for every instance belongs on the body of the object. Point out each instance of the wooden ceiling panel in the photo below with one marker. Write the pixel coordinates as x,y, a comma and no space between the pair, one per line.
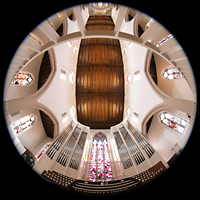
100,111
106,54
100,78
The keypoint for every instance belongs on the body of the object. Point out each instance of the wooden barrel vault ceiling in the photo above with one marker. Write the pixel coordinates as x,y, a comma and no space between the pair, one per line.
100,78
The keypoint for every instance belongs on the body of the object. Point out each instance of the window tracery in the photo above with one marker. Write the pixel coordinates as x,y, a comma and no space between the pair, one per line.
173,122
172,73
22,79
100,167
23,123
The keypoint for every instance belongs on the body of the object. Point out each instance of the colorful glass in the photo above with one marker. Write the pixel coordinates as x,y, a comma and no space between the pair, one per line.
100,167
23,123
22,79
172,73
173,122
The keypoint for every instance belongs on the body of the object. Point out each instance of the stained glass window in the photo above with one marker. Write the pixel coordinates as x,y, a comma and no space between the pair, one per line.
100,167
22,79
172,73
23,123
173,122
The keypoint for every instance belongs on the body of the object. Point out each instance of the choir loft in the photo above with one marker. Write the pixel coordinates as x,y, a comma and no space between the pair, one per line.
100,99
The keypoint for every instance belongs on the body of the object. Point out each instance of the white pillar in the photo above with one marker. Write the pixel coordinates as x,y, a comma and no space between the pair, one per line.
79,17
150,33
120,18
49,31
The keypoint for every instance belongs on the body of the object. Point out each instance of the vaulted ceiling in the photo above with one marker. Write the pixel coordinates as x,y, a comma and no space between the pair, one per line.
100,78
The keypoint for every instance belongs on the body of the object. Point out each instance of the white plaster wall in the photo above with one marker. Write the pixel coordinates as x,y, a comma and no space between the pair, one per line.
114,14
33,137
60,95
17,91
163,138
178,88
127,27
139,95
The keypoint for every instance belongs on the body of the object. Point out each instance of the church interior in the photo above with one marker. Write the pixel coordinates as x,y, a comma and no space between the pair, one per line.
100,99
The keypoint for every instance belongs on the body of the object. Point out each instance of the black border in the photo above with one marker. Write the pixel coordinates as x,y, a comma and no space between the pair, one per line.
20,18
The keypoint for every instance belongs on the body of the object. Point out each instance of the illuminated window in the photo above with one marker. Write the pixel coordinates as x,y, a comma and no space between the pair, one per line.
100,167
64,117
172,73
149,23
137,75
164,40
23,123
22,79
173,122
35,38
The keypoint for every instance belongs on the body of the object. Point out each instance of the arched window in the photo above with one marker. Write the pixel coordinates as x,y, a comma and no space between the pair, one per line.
100,168
172,73
173,122
22,79
23,123
164,40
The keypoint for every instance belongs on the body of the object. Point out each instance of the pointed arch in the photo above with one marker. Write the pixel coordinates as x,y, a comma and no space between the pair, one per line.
100,166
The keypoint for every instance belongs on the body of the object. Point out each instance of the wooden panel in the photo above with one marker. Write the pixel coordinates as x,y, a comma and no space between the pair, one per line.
100,111
100,79
45,70
153,70
100,54
48,124
100,22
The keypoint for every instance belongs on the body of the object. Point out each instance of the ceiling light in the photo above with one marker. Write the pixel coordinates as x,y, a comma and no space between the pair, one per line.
137,77
72,111
125,51
135,117
71,77
64,119
62,76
